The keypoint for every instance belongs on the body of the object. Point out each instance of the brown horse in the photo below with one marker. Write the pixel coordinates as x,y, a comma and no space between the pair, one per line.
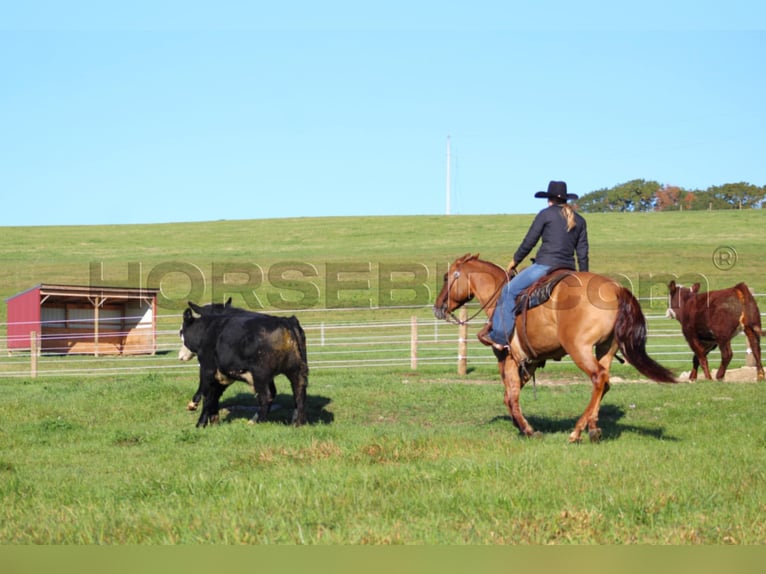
585,311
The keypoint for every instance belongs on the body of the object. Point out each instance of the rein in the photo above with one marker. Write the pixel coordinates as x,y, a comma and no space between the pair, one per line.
455,276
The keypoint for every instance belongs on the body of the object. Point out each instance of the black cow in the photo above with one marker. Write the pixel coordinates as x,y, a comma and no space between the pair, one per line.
184,354
238,345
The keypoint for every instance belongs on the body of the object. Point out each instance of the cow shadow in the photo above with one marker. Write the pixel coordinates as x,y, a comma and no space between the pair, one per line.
609,418
245,405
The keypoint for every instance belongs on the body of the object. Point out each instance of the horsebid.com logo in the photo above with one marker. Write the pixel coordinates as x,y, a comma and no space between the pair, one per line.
296,285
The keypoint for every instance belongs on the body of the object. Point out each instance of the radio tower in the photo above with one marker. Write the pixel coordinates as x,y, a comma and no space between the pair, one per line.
449,191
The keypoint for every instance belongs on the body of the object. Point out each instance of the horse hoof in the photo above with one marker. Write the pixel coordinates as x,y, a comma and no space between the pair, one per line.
532,433
191,406
595,435
575,438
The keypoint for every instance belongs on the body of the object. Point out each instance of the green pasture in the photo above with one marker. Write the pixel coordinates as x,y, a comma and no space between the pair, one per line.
387,458
390,456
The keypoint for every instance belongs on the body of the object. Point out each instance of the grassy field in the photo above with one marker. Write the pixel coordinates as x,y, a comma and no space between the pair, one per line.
644,248
389,456
398,458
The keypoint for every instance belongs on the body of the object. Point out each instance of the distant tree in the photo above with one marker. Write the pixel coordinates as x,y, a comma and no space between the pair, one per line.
739,195
706,199
595,202
634,195
642,195
672,198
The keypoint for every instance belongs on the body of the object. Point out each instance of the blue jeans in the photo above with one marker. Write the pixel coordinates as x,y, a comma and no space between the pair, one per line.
504,318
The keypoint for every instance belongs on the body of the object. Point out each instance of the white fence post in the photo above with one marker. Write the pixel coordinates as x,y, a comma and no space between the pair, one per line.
33,354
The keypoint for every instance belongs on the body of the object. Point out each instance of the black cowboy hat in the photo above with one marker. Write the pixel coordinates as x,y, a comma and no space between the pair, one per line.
557,190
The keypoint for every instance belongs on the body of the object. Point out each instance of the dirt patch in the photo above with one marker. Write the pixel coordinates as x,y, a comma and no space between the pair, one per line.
741,375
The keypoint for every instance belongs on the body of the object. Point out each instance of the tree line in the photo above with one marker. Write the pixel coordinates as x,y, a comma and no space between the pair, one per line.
642,195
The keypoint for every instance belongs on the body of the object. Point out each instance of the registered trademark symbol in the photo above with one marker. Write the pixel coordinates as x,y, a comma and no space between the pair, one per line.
725,258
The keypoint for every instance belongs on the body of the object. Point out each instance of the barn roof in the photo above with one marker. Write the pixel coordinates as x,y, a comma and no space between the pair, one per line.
54,292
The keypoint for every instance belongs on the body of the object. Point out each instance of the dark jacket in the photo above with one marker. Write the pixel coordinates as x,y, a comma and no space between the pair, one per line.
559,245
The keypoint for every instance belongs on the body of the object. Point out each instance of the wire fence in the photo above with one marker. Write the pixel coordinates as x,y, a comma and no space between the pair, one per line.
393,338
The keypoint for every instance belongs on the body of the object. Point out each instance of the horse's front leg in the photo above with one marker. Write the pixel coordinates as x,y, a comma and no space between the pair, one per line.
512,383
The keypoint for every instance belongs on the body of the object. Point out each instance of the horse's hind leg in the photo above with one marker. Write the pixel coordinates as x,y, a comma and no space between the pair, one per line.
605,354
599,376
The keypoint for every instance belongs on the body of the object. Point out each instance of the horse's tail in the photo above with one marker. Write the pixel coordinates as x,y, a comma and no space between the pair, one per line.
630,333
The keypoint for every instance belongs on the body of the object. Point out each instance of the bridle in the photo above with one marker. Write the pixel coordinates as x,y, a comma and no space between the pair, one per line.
455,276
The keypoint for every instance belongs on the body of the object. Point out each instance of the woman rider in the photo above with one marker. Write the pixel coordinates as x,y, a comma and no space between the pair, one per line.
564,233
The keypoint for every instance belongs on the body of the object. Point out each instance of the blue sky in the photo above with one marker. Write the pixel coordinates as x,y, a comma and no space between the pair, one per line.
186,111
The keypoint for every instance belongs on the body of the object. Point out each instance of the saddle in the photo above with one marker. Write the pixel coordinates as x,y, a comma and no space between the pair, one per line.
540,291
534,296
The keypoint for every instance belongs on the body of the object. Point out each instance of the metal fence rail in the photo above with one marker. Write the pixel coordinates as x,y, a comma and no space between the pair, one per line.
403,342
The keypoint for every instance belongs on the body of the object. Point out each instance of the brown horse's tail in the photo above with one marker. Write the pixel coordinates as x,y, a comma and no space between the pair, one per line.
630,333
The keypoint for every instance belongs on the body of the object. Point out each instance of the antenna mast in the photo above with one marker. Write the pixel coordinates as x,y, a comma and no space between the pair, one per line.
449,191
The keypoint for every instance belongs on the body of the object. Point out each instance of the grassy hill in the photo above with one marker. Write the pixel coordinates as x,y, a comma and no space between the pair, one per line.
641,247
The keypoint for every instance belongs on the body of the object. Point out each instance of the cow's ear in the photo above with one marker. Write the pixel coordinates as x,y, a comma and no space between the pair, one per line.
188,315
228,303
695,288
672,287
196,308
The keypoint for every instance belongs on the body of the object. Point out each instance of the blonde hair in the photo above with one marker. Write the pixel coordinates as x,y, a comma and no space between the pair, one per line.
568,213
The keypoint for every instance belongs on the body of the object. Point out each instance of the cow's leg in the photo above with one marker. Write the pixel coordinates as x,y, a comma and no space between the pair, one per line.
197,398
210,405
204,371
193,404
726,355
299,382
695,366
700,358
703,359
754,340
263,390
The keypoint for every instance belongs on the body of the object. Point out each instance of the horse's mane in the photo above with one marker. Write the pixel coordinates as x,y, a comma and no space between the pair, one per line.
468,257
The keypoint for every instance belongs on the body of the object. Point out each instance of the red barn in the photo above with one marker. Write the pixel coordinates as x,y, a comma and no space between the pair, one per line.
87,320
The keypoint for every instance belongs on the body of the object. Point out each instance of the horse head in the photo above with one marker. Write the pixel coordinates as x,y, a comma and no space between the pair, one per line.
456,289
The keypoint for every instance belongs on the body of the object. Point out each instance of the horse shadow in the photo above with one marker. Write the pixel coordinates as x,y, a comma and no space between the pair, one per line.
245,405
609,417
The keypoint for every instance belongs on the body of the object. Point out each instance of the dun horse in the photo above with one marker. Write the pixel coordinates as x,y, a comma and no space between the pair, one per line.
585,311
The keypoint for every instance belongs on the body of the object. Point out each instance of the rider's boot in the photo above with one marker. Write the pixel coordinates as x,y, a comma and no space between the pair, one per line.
484,338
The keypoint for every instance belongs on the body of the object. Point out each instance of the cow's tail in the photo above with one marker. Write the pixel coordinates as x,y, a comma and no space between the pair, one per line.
751,315
630,333
300,340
